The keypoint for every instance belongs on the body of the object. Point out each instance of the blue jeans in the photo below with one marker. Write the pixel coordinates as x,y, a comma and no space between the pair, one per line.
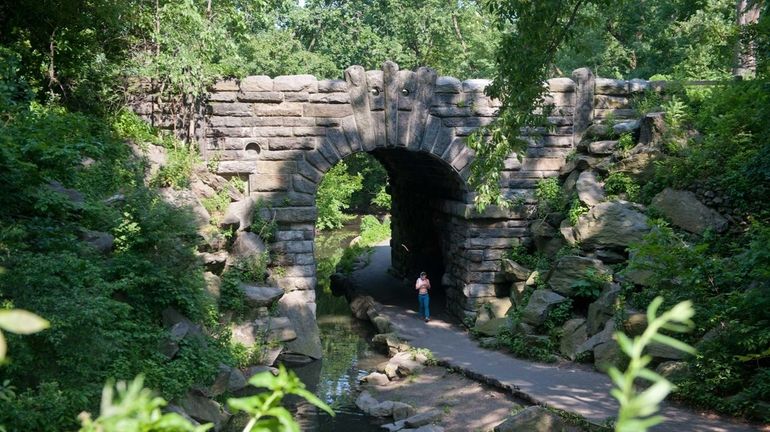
424,300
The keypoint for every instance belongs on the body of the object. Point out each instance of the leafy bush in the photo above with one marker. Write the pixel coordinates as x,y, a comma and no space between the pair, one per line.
550,196
619,183
576,209
50,271
591,285
373,231
334,194
176,173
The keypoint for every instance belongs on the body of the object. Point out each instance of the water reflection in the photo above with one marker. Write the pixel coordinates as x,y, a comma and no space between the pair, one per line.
347,355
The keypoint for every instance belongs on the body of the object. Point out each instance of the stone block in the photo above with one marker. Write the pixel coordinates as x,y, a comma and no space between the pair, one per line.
330,98
258,83
212,97
475,85
275,97
296,83
607,86
297,97
561,85
284,109
230,109
446,84
296,143
225,85
269,182
327,110
332,86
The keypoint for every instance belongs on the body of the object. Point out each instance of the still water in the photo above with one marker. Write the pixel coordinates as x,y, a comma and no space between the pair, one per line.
347,353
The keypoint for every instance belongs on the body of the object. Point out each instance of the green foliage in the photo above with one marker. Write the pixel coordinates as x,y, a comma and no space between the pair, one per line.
49,270
728,283
576,209
176,173
647,102
621,184
333,196
732,156
217,203
373,231
637,411
550,196
591,285
686,40
557,317
520,345
626,143
261,224
134,408
21,322
265,408
382,199
521,255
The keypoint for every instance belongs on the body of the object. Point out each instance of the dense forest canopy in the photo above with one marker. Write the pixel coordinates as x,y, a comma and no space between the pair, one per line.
68,67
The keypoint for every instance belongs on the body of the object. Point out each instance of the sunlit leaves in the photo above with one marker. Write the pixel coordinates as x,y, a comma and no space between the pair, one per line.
265,409
637,410
20,322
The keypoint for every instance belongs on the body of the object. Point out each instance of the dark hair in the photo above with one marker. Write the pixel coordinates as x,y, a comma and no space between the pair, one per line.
423,274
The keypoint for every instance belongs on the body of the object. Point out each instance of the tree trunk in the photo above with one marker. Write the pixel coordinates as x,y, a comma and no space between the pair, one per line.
745,60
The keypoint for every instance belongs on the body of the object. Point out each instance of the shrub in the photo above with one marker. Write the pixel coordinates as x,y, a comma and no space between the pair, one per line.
550,196
619,183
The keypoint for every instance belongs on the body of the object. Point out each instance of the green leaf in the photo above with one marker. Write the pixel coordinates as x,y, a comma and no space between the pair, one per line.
667,340
310,397
649,399
285,418
22,322
265,380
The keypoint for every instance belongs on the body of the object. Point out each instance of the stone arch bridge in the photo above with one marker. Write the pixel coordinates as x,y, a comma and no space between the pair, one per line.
285,133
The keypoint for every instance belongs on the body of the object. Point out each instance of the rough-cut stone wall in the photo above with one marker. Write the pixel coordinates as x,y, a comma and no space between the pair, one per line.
286,132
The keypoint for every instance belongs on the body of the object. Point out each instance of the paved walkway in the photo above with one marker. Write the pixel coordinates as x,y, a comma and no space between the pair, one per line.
568,388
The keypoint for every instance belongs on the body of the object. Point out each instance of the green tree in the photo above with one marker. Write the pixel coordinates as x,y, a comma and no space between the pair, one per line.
333,196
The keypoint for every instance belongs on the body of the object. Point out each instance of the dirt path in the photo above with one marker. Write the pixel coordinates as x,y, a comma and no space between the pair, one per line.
564,387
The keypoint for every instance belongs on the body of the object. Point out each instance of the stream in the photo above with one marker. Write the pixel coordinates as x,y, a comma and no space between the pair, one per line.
347,354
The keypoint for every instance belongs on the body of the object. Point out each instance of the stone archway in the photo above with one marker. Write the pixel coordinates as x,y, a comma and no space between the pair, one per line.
285,132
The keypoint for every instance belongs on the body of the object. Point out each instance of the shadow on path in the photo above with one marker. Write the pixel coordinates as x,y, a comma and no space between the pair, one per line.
564,387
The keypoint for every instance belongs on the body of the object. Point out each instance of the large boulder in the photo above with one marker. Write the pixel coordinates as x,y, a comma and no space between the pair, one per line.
246,245
204,410
76,199
514,270
602,309
239,214
640,165
573,335
570,269
258,296
299,307
185,199
590,190
101,241
602,337
540,304
684,210
360,306
548,240
607,355
492,326
532,419
614,224
652,129
213,285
